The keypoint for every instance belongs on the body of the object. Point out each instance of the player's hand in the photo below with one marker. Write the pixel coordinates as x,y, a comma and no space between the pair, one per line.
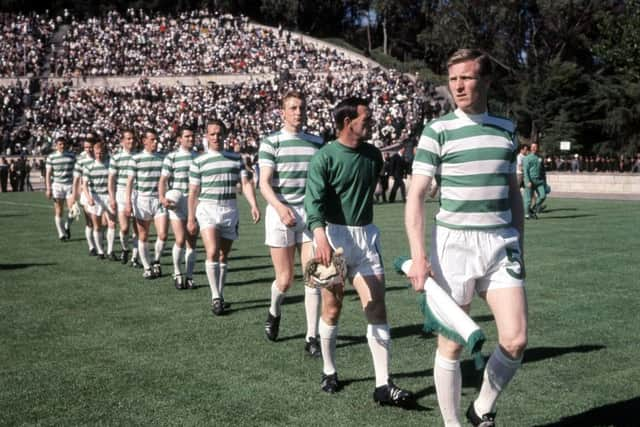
192,226
255,214
287,217
323,250
418,273
48,194
112,204
164,202
127,209
91,201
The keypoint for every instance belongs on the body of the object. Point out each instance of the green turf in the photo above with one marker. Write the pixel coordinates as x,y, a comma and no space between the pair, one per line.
86,342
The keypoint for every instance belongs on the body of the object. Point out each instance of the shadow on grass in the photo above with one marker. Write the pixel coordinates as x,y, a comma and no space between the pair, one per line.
250,268
559,210
541,353
544,216
23,266
618,414
265,280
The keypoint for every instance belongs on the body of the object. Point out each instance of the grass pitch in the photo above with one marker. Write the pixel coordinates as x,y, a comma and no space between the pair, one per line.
87,342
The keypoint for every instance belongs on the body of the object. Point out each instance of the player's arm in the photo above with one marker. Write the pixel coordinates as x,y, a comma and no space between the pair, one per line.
314,205
127,194
414,225
47,180
286,215
250,193
517,209
192,204
162,190
85,190
111,186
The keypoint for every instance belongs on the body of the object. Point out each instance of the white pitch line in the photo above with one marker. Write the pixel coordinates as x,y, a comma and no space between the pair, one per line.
25,204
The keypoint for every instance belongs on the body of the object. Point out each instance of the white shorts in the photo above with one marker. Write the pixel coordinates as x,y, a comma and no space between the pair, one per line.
121,200
146,208
224,217
278,235
464,261
61,191
180,211
83,200
361,248
100,206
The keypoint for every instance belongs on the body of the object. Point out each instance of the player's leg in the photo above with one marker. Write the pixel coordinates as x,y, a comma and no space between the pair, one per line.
328,330
177,253
67,226
283,262
509,308
161,223
58,208
123,223
134,242
211,241
110,219
143,246
223,264
541,196
96,217
527,201
88,230
311,304
190,257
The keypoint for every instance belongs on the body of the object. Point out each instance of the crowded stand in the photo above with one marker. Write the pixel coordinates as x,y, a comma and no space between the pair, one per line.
250,110
24,40
198,42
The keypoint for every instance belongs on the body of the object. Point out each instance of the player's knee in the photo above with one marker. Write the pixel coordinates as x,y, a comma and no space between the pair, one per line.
514,346
376,312
284,281
449,349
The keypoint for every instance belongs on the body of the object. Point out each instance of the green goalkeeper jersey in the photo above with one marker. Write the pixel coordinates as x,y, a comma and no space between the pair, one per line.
340,185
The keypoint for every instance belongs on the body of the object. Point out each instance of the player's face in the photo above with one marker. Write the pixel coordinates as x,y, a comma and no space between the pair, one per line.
534,148
88,148
361,125
186,140
98,152
293,114
150,142
468,88
214,137
60,146
127,141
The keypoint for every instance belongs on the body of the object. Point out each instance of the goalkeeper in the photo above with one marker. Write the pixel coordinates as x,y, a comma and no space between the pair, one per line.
339,203
477,241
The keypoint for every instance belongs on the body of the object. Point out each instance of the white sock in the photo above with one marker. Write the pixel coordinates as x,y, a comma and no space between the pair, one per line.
59,226
134,245
190,261
448,380
158,250
143,249
212,269
312,310
328,341
97,239
499,371
276,300
111,238
222,278
379,340
176,254
123,241
88,234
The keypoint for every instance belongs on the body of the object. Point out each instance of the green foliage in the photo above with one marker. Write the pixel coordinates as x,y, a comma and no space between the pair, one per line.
84,342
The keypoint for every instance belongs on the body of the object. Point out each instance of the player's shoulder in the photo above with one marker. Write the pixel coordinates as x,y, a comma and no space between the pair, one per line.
501,122
231,155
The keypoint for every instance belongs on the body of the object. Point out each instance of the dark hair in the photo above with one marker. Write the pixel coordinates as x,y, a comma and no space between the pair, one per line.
219,123
182,129
347,108
145,131
61,138
128,130
462,55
